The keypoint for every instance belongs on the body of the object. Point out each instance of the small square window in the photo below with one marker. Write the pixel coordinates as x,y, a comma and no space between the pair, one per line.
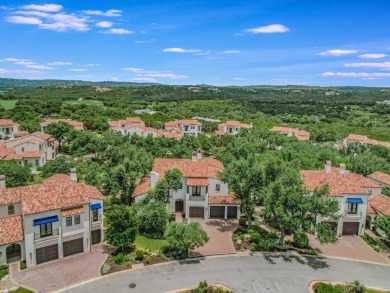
68,221
217,187
77,219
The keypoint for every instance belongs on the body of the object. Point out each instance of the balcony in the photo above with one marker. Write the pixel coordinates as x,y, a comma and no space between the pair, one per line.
353,215
192,197
39,237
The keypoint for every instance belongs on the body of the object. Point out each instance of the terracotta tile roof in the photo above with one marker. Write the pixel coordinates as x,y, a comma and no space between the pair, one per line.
142,187
219,132
237,123
284,129
381,204
11,230
174,135
339,184
72,211
76,124
6,122
134,120
381,177
384,143
188,121
114,124
370,209
224,199
356,137
32,154
10,195
21,133
4,152
207,168
197,181
14,157
41,135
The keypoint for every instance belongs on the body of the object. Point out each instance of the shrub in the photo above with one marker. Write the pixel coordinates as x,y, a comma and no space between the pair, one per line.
328,288
139,255
311,252
147,259
120,258
253,247
153,219
242,222
256,226
255,237
3,267
23,265
301,240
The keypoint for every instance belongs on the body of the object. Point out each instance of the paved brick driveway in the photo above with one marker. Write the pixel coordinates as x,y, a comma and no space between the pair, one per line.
62,273
220,233
352,247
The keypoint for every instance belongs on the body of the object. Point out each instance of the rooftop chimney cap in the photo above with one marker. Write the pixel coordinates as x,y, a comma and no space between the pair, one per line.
342,166
2,177
328,162
73,170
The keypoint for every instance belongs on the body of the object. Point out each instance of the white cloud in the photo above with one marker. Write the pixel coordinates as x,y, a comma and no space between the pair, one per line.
15,60
372,56
269,29
109,13
144,41
105,24
77,69
44,7
143,79
91,65
25,63
181,50
337,52
38,66
381,65
59,63
142,73
230,52
64,22
371,78
23,20
5,71
167,75
356,74
134,70
118,31
238,78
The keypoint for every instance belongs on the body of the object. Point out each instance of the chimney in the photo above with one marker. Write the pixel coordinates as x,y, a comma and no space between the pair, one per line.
328,166
153,178
194,156
341,169
199,154
2,181
73,174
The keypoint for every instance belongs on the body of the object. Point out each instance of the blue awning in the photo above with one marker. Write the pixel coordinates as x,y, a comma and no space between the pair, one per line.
45,220
354,200
96,206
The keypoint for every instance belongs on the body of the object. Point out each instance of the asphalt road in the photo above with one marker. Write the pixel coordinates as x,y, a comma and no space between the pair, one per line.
252,274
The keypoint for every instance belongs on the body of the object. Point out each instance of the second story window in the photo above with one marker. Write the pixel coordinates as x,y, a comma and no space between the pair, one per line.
68,221
192,127
77,219
11,209
217,187
95,215
46,229
185,127
195,190
352,208
199,128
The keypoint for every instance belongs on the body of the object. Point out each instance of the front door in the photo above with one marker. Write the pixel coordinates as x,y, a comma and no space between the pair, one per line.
179,206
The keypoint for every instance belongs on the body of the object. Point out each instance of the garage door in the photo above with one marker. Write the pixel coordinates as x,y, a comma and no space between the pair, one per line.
196,212
232,213
47,253
96,236
73,247
350,228
217,212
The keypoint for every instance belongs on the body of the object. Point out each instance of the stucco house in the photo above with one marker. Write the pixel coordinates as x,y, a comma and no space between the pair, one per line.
231,127
377,206
287,131
381,178
44,222
189,126
8,129
36,149
76,124
352,192
202,193
132,125
362,139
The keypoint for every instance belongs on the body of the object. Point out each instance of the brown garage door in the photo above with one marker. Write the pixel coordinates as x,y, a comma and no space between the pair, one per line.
96,236
196,212
350,228
73,246
217,212
232,212
47,253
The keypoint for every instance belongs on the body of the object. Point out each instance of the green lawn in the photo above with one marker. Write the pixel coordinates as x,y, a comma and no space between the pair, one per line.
8,104
142,242
85,102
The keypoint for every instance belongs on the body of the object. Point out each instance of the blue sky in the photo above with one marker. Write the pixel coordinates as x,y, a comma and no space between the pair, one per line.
226,42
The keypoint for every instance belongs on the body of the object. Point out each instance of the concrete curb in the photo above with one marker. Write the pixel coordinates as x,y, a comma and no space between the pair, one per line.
314,282
210,257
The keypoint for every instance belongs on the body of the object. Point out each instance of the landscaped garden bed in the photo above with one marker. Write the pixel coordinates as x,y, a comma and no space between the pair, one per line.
204,287
370,241
323,287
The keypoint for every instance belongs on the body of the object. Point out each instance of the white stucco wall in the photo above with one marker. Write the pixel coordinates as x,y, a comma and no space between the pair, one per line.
4,210
224,190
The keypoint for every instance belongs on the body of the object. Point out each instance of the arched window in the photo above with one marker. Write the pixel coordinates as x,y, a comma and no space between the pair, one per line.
11,209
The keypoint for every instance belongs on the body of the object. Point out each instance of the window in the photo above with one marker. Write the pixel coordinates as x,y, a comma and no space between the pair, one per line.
46,229
25,162
95,215
217,187
195,190
181,185
68,221
36,162
188,189
22,150
11,209
77,219
199,128
185,127
192,127
352,208
43,161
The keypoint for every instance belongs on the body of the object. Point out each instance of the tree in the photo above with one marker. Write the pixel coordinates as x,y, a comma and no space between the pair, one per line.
15,174
60,165
245,178
288,210
172,181
368,163
59,130
383,223
122,226
186,236
153,219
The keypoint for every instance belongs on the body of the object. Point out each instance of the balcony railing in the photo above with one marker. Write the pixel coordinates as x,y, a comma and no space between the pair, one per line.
38,236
